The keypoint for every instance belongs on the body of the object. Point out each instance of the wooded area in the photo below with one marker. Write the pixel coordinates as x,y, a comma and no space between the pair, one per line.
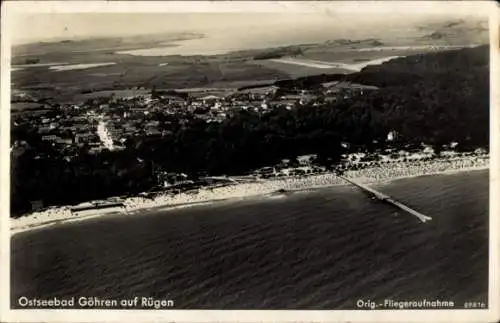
433,98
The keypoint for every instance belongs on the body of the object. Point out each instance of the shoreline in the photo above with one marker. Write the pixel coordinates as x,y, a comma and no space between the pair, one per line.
259,188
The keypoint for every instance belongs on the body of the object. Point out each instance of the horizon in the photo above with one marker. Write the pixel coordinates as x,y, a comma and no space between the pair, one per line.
85,26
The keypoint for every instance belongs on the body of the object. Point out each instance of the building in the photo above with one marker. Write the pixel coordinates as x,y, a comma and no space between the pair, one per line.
392,136
64,141
306,159
49,138
83,137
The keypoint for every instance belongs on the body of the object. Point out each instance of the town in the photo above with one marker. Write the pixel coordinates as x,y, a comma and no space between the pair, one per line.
110,122
136,141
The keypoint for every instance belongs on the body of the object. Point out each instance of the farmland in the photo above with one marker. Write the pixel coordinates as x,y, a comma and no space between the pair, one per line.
47,70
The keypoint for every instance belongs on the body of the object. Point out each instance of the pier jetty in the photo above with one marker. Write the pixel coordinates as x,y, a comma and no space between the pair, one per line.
388,199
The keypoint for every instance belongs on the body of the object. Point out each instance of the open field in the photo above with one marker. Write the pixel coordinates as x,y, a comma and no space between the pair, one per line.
108,93
42,82
183,72
60,68
363,54
309,63
18,106
34,69
338,67
298,70
242,83
353,56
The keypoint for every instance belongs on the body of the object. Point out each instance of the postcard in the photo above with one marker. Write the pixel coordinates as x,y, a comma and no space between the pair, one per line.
220,161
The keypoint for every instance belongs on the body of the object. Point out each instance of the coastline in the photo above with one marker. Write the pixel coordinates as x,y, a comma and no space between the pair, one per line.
377,174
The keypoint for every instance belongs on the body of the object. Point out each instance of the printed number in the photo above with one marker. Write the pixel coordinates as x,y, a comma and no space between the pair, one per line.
474,305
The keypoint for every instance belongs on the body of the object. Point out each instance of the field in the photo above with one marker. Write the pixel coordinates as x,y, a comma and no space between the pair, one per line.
354,56
33,71
19,106
228,71
64,85
332,60
108,93
294,70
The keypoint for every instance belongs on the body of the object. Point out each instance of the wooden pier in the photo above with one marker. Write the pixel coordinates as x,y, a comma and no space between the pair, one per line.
390,200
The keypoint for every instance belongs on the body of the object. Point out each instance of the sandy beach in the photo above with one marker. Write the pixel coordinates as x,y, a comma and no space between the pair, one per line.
381,173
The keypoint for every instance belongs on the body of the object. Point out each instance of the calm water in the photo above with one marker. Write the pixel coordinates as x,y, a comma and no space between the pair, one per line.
313,250
255,36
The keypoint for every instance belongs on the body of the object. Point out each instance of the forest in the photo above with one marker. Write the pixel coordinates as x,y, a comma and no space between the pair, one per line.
433,98
279,52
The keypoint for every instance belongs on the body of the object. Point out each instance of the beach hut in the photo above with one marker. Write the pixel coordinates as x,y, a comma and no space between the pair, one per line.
480,151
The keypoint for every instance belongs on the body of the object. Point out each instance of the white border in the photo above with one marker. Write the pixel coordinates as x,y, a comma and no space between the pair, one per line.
389,7
494,291
426,7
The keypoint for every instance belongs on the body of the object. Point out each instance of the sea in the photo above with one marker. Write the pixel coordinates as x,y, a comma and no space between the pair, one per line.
316,249
269,33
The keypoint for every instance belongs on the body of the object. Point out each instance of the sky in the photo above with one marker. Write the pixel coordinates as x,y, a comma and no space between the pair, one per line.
33,27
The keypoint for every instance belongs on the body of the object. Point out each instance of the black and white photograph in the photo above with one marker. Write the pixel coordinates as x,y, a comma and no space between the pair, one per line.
283,157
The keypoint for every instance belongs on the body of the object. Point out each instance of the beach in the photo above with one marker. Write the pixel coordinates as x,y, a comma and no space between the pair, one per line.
373,174
315,249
